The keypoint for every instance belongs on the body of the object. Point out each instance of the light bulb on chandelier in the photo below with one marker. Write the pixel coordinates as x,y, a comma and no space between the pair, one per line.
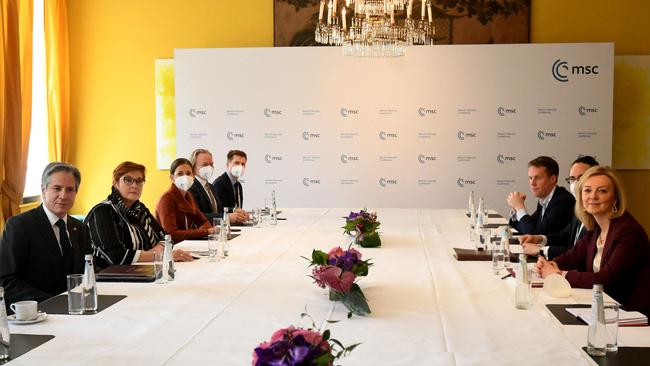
373,30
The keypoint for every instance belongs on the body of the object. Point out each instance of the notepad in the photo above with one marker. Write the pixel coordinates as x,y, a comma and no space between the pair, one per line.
625,318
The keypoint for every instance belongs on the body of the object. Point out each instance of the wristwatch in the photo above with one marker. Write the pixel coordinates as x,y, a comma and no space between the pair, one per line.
541,252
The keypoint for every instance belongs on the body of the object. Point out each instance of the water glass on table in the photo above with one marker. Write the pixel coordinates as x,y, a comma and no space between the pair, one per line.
611,325
75,294
257,217
213,247
158,258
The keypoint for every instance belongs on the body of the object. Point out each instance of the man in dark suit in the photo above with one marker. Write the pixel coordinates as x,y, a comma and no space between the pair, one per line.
204,193
553,244
230,195
40,247
555,204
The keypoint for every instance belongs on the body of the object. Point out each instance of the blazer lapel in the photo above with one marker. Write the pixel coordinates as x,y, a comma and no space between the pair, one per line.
47,233
231,190
75,232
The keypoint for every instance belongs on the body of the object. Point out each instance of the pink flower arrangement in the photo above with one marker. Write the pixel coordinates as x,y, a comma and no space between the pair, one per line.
339,269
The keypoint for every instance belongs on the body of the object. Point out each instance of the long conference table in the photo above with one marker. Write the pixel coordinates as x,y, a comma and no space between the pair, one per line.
427,307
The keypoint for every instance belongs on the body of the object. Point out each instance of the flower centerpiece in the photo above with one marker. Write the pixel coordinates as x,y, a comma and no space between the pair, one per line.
297,346
339,270
363,225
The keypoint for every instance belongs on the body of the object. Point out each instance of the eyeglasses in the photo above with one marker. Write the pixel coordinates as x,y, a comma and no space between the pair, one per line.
130,181
572,179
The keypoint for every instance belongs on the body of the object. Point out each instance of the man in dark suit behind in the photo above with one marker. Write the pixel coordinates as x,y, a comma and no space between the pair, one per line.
40,247
230,195
204,192
552,245
555,205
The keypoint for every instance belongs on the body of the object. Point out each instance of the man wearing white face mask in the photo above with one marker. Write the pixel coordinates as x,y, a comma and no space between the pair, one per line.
554,244
203,191
230,195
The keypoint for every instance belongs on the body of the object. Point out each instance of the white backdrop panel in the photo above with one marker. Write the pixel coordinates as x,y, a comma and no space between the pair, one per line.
325,130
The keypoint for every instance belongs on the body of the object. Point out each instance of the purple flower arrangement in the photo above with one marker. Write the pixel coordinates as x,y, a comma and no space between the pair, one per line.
363,225
297,346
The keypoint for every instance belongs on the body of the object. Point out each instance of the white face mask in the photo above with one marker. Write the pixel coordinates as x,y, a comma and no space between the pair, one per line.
184,182
572,188
206,172
237,171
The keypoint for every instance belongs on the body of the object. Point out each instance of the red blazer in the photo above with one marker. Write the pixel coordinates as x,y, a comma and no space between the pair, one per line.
180,216
624,267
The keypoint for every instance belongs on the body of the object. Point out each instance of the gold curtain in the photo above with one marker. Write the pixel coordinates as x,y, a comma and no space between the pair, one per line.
16,102
58,79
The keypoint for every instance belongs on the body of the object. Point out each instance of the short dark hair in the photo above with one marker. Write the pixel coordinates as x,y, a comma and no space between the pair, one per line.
56,167
589,160
548,163
128,166
178,162
232,153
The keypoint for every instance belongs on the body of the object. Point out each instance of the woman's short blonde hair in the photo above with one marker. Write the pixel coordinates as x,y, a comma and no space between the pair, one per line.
620,201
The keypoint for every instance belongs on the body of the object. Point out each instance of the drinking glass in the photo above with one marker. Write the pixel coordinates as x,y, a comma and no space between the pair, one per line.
158,266
213,247
257,217
75,294
611,324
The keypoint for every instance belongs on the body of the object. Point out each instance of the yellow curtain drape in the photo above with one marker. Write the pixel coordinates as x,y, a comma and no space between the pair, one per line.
58,78
16,102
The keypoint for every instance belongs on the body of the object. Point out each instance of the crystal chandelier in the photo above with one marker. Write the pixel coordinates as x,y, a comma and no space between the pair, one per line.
368,27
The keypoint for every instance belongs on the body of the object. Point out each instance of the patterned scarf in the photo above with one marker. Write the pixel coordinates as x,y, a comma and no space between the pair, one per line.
139,215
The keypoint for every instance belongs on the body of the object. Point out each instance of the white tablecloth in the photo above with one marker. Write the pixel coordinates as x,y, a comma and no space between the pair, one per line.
427,308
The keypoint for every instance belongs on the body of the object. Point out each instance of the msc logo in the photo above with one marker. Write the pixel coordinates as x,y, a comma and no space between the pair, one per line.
501,159
346,112
543,135
462,135
461,182
272,112
345,158
383,135
197,112
424,111
561,70
309,181
383,182
270,158
424,158
501,111
234,135
306,135
582,110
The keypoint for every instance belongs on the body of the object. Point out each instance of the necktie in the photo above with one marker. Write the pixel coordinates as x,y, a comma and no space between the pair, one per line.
238,198
66,247
540,209
213,202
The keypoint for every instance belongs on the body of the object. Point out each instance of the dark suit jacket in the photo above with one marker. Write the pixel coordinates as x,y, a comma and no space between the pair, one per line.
203,201
557,216
225,193
624,267
562,241
179,216
31,265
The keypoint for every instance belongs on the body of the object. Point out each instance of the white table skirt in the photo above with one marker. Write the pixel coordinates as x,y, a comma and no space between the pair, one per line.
427,308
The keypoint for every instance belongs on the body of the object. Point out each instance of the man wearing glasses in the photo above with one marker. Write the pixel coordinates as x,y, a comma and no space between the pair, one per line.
40,247
553,244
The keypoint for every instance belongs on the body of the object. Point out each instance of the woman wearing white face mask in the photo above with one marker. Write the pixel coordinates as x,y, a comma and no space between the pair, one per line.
177,211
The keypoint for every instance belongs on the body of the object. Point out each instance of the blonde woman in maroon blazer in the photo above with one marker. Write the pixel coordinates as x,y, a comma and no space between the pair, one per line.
615,252
176,210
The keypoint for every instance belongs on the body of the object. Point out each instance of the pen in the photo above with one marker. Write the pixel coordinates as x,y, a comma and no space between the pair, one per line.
506,276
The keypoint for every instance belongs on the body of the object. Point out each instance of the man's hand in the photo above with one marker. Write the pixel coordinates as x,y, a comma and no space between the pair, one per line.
238,216
533,239
516,200
531,249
